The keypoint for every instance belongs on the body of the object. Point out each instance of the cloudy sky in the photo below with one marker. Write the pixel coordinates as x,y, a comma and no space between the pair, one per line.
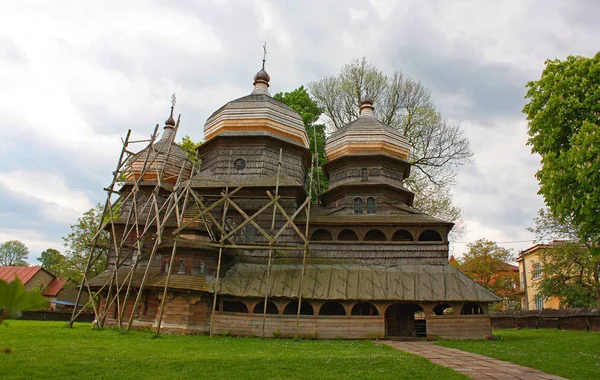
75,75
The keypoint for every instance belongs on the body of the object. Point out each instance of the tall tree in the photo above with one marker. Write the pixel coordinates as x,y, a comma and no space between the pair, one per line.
300,101
438,148
14,252
52,260
189,146
564,128
79,246
488,264
571,270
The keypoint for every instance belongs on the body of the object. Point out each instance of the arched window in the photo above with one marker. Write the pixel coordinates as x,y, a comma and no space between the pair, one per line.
364,308
375,235
347,235
321,235
181,269
203,267
442,309
271,308
305,308
430,235
235,307
471,308
332,308
165,266
358,205
364,174
371,205
402,235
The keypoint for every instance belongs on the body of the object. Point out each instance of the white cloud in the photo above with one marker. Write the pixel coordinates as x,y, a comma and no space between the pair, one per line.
35,241
76,75
58,202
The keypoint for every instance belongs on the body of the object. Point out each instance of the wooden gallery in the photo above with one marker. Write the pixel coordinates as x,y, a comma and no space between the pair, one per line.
241,240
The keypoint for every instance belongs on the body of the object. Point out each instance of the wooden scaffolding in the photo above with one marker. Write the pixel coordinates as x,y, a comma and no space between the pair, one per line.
143,224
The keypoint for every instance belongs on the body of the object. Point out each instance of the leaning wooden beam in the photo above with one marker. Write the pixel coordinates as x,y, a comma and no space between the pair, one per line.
217,276
256,225
203,208
305,253
164,296
271,243
140,291
206,210
289,219
173,252
90,256
252,217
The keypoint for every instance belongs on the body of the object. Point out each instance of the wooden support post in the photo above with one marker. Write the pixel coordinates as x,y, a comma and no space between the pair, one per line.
271,244
305,253
95,240
217,277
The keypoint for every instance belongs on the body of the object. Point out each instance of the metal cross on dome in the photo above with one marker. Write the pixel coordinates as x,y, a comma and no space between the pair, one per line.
173,100
264,55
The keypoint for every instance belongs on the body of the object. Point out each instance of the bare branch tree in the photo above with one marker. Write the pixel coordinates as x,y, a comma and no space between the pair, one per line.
439,148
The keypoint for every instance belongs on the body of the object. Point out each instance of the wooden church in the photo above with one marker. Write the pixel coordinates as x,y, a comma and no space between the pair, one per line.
234,245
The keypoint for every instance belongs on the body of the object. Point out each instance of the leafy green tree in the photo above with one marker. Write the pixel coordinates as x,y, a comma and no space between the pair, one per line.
51,259
571,270
79,245
488,264
438,148
190,147
14,252
300,101
563,113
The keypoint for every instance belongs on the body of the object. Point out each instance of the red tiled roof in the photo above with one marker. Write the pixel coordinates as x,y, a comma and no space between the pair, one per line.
54,287
24,274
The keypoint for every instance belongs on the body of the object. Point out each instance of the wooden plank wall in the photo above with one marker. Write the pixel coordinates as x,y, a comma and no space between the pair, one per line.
458,326
316,327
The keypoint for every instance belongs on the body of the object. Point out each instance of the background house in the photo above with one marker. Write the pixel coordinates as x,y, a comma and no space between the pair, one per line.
530,273
37,278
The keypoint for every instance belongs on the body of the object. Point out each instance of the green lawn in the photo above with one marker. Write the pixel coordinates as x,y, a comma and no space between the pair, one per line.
571,354
49,350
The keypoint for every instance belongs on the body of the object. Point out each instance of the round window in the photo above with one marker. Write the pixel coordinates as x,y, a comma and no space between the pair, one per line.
239,164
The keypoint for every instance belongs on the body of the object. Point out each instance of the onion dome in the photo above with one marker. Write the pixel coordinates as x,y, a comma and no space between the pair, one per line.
262,76
166,158
257,114
170,122
367,136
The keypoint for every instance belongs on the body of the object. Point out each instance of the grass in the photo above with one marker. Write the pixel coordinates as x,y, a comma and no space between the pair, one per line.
50,350
571,354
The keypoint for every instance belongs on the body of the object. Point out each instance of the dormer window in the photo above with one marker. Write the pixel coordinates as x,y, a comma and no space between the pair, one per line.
358,205
364,174
371,205
181,269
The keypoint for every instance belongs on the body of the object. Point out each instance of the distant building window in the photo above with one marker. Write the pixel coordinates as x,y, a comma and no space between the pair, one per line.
537,271
165,266
203,268
358,205
364,174
371,205
181,269
239,164
539,302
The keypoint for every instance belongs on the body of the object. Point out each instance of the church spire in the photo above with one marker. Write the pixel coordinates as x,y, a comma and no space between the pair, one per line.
261,79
